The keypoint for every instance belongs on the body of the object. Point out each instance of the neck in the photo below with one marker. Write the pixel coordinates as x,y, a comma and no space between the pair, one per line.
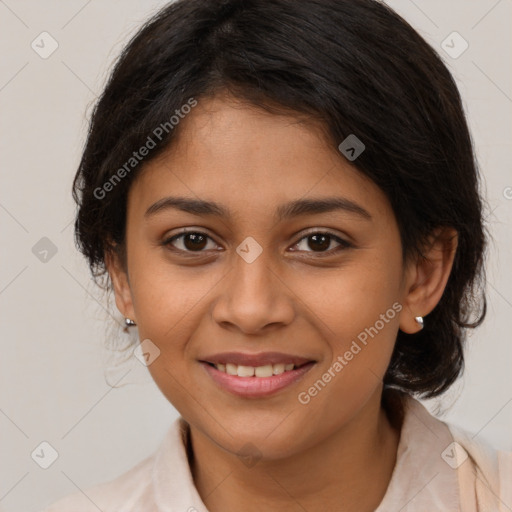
348,471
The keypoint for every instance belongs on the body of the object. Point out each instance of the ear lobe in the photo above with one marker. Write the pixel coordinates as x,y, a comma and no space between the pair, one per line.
428,275
119,277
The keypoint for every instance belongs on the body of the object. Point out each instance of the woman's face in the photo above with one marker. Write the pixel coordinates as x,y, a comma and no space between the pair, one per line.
258,280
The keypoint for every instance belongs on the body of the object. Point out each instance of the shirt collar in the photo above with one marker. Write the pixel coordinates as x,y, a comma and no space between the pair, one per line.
421,478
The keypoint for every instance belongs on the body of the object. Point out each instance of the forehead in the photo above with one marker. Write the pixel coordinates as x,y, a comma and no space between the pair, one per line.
251,160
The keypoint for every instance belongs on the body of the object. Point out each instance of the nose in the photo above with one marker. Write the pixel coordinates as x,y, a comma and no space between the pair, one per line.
253,297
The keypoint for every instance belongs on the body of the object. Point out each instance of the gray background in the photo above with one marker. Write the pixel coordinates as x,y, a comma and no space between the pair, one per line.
57,380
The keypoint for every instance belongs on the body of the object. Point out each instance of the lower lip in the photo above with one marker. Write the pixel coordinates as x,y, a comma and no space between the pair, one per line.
256,387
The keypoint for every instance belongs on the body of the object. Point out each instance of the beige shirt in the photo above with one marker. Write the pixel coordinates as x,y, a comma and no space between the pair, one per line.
439,468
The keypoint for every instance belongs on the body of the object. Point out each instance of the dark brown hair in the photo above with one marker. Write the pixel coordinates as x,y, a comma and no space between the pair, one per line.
357,68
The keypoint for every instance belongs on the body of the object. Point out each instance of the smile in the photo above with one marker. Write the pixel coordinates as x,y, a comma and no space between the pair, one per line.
255,382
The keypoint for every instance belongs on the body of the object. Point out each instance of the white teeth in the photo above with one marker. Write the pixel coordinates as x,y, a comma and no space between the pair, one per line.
251,371
245,371
231,369
278,368
264,371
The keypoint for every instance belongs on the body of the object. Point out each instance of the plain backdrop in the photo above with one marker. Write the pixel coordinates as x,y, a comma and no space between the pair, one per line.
57,381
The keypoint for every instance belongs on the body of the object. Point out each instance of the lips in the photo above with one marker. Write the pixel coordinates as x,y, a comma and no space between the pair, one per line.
255,387
255,360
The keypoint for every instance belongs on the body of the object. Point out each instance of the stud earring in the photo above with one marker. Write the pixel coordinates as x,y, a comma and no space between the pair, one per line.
419,321
128,322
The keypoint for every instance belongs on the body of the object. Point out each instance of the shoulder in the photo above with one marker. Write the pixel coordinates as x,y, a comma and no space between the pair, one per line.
469,473
135,489
129,489
484,470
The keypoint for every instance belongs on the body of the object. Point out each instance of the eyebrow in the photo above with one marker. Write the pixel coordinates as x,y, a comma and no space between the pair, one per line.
285,211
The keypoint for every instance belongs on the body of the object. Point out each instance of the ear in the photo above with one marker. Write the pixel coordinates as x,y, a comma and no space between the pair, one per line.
119,277
426,277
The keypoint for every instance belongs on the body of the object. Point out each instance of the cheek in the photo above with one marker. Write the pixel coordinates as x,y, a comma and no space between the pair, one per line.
356,313
167,297
359,325
169,305
354,299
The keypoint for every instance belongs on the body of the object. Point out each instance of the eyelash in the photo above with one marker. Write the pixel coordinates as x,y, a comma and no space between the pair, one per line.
343,243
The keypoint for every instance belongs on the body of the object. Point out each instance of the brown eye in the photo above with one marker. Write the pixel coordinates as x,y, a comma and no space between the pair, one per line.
190,241
320,242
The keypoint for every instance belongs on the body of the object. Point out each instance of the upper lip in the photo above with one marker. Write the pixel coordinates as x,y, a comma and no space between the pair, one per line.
255,360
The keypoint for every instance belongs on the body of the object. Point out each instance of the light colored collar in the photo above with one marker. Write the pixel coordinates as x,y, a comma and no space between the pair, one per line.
173,484
422,479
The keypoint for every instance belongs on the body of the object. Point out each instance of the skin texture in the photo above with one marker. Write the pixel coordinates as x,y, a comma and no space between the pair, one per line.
336,452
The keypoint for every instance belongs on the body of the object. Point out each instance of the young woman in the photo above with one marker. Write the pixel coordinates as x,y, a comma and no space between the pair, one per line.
284,199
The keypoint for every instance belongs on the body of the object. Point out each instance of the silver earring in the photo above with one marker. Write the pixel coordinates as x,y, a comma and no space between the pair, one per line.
419,320
128,322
